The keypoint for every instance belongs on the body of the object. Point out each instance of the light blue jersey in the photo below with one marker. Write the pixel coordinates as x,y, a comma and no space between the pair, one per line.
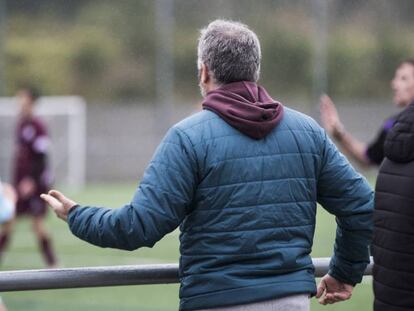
6,207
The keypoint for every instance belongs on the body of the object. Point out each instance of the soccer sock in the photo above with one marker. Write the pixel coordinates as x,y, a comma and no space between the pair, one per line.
47,251
4,241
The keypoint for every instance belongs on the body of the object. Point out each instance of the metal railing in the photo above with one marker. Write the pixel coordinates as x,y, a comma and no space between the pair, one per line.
109,276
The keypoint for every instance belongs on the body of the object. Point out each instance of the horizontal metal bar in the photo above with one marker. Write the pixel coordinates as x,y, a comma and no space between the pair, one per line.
108,276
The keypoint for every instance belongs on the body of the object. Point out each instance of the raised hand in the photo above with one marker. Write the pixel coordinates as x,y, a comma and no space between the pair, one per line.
329,116
330,290
60,204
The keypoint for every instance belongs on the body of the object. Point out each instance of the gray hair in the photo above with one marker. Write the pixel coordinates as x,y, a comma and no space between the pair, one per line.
230,50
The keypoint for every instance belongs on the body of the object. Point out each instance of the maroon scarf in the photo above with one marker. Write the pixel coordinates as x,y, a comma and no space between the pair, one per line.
246,106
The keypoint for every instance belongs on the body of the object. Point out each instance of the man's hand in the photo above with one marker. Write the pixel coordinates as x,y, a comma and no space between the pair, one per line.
329,116
330,290
60,204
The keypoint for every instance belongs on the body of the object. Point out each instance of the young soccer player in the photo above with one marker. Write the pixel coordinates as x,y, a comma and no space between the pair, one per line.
31,173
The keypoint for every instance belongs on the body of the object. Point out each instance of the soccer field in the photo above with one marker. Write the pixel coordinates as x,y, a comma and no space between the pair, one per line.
72,252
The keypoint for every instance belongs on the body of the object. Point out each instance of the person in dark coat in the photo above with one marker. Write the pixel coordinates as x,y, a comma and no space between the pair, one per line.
393,243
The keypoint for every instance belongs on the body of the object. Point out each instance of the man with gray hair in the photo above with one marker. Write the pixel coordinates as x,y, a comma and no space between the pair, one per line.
242,179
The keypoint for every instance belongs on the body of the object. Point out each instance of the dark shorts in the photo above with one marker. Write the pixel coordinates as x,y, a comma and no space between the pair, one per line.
33,206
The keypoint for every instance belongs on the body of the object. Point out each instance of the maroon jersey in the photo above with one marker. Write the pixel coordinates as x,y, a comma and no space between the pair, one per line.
31,161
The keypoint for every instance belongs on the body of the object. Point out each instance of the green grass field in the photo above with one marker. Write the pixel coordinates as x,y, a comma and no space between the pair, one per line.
72,252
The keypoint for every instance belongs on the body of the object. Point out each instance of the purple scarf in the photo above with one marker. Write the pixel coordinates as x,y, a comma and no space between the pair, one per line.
246,106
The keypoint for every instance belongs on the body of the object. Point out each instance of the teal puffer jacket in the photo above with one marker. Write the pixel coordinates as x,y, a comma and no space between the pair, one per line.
246,210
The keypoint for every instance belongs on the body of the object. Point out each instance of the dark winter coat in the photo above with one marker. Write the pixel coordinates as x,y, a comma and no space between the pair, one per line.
393,244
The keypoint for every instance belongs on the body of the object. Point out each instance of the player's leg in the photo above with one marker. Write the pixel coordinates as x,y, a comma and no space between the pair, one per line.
6,231
45,243
2,305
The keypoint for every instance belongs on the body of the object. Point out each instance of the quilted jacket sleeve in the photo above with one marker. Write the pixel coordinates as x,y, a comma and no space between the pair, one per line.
157,208
347,195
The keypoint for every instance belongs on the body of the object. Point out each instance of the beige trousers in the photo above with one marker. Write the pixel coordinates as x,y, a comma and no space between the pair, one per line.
291,303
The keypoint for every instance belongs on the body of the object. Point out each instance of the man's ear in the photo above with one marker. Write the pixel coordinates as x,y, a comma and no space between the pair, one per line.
205,74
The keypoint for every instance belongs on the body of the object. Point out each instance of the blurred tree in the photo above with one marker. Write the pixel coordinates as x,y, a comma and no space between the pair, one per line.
106,49
63,8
